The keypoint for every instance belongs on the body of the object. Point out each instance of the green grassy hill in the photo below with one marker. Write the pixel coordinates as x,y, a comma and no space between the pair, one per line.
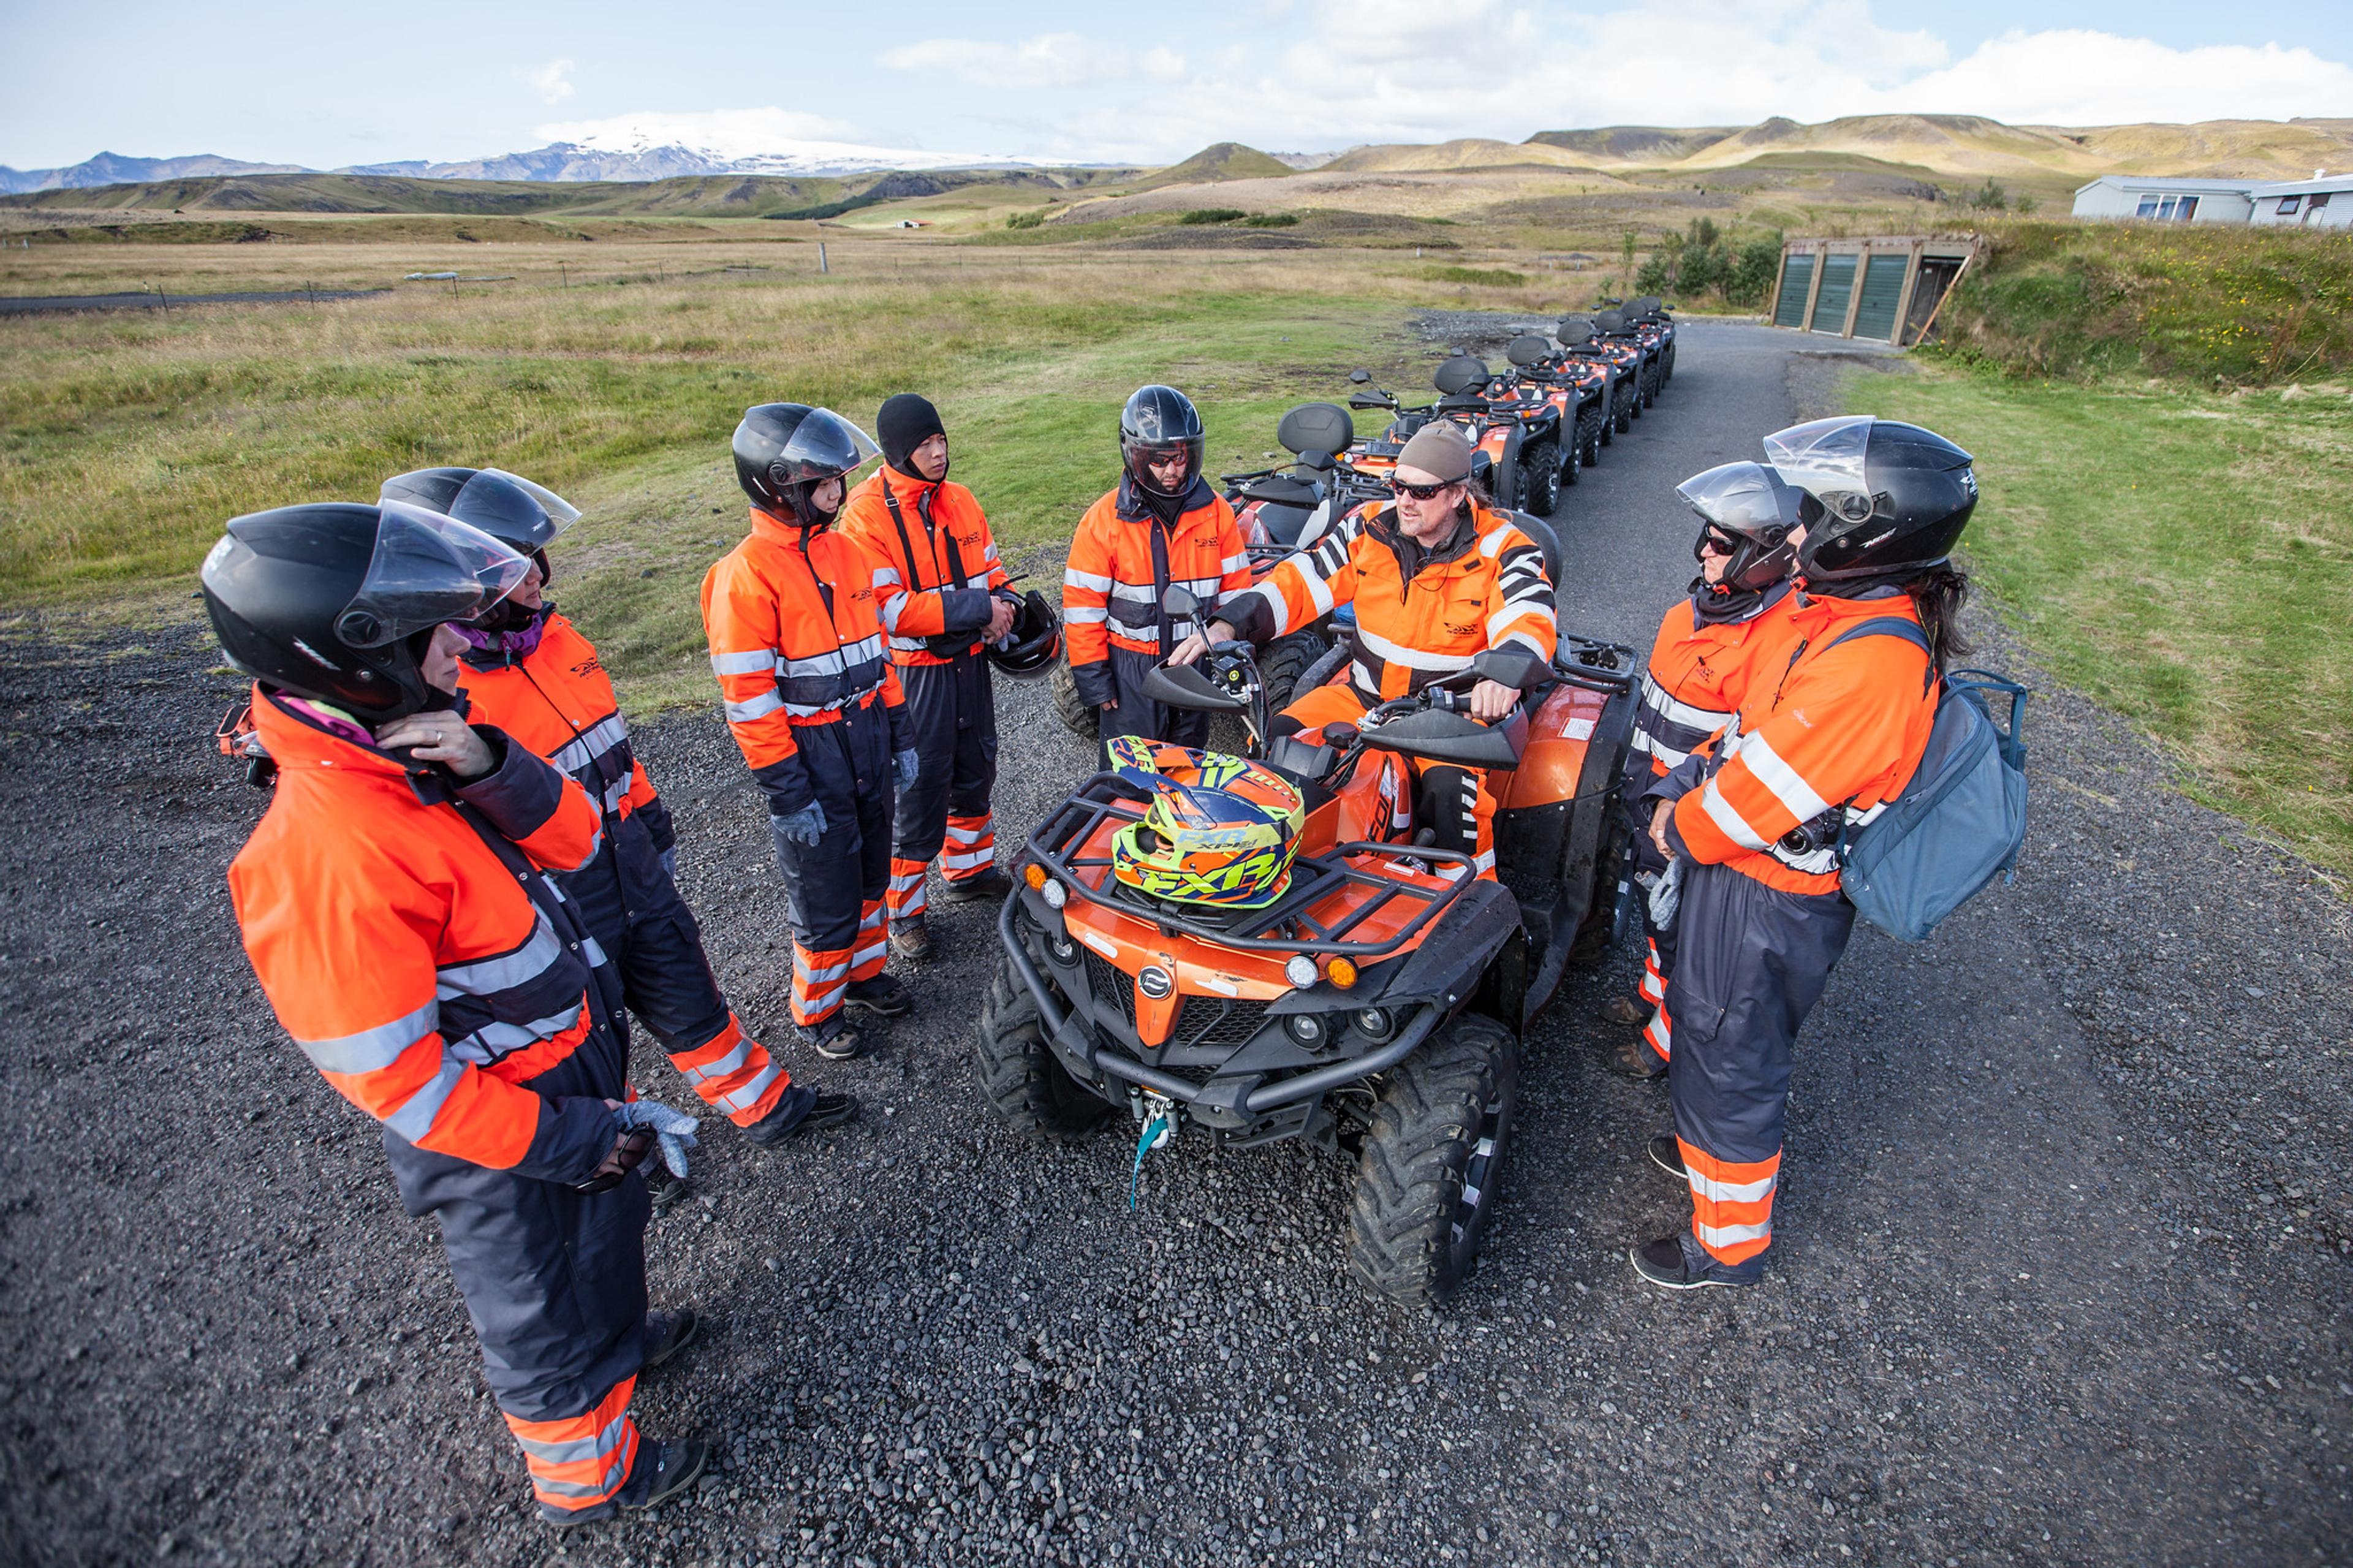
1220,161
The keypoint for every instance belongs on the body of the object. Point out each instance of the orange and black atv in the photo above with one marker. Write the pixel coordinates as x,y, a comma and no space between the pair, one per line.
1581,338
1517,429
1578,388
1374,1001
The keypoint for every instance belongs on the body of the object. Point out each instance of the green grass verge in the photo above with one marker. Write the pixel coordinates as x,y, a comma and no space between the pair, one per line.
2184,558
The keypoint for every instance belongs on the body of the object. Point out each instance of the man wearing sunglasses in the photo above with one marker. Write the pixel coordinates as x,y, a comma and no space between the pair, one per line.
1733,627
1438,576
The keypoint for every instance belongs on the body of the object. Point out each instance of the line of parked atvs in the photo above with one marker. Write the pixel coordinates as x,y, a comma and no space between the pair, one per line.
1536,425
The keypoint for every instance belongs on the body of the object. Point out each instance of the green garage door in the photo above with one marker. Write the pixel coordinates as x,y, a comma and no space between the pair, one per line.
1796,276
1837,284
1882,291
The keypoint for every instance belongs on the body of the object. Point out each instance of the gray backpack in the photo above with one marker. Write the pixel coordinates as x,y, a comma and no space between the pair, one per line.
1961,820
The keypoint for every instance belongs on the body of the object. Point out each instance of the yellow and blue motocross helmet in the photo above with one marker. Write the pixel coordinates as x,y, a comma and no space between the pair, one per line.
1219,831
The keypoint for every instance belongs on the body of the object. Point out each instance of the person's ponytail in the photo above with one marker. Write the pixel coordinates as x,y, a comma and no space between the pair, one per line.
1938,595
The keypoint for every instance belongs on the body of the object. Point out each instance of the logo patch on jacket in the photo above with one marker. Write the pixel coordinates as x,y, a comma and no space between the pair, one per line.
1455,630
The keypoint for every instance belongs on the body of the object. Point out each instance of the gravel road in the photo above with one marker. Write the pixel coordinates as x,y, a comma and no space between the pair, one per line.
2063,1272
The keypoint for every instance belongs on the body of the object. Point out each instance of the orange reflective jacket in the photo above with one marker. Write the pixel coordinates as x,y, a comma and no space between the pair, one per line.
558,701
1699,675
796,635
938,560
409,960
1420,614
1124,559
1832,730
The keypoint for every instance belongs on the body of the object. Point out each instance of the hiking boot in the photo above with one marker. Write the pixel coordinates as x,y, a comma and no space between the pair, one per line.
667,1333
1678,1262
1668,1156
883,997
662,1471
802,1109
836,1039
990,884
910,940
1634,1058
1624,1010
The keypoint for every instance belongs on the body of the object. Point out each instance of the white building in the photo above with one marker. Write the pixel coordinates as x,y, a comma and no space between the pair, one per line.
2324,201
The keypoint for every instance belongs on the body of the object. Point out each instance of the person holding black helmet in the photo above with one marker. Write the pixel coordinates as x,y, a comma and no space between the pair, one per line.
397,903
943,599
1819,744
794,624
1162,527
1710,645
527,670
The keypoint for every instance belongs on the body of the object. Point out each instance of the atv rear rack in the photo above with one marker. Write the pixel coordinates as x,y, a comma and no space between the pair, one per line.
1283,926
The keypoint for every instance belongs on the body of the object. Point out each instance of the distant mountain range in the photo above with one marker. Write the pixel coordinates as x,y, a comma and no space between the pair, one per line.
113,169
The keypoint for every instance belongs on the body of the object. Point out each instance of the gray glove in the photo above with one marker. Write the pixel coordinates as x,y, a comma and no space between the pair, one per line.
905,766
805,825
673,1129
1667,895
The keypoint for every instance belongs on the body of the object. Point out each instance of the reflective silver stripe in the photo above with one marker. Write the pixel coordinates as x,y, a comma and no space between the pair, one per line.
951,864
1085,614
836,661
1732,1234
497,1039
1362,674
730,1063
1795,795
593,956
1535,645
1234,563
1730,1192
1735,827
577,1450
811,709
886,574
483,975
367,1050
750,663
911,880
1413,658
745,1097
1276,605
758,707
1075,578
590,744
908,645
1665,754
618,791
414,1120
827,975
1655,696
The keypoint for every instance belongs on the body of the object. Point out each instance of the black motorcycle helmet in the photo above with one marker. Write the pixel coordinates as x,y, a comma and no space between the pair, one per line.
1750,503
523,516
1156,419
785,450
336,601
1035,642
1880,498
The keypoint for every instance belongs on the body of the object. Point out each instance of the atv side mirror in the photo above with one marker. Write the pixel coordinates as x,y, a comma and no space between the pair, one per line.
1517,668
1182,685
1180,603
1368,403
1360,376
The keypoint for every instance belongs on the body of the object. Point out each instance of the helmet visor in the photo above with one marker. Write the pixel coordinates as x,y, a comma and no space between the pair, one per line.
1743,498
489,490
427,568
1824,457
824,446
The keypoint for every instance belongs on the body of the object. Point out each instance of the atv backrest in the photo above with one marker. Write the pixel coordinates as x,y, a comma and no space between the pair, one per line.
1316,427
1528,349
1609,323
1460,374
1574,329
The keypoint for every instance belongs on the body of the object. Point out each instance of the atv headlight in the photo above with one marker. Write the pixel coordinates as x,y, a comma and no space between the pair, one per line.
1054,893
1375,1022
1304,1027
1300,969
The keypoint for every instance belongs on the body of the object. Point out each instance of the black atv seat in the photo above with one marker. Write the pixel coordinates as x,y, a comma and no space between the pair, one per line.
1528,350
1316,427
1460,374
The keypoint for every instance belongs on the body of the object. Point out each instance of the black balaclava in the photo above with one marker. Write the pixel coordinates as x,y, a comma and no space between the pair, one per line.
905,423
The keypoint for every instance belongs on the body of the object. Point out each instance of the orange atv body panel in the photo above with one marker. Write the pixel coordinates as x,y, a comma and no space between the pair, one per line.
1559,734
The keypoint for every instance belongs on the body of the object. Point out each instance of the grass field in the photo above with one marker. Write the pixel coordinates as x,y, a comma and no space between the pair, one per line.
2186,558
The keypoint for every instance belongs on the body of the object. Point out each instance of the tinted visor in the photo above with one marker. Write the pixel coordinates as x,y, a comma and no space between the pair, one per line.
1825,457
1742,497
427,568
823,446
510,508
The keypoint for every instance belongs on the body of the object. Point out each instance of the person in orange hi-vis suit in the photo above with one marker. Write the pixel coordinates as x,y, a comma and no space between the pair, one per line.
943,597
1752,826
1437,577
1163,527
398,906
528,671
794,624
1710,645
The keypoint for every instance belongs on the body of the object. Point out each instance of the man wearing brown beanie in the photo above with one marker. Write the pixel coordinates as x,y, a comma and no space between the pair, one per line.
942,592
1438,576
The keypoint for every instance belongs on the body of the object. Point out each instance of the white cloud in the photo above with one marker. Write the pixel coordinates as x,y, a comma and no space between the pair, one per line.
2076,78
1050,60
551,82
1164,64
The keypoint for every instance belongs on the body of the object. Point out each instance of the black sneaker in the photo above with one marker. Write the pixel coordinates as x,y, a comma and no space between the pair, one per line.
667,1333
1668,1156
882,996
1678,1262
990,884
662,1471
802,1109
910,940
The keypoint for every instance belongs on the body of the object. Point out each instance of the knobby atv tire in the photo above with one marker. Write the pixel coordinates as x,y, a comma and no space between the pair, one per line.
1083,720
1432,1163
1627,398
1540,478
1284,661
1019,1074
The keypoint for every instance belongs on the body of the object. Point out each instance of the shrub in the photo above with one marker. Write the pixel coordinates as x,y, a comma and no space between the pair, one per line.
1490,276
1029,220
1212,215
1270,220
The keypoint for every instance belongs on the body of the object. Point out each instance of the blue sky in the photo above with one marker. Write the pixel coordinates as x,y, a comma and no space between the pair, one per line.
312,84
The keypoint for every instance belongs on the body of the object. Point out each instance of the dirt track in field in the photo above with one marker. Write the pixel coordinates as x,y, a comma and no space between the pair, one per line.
2061,1272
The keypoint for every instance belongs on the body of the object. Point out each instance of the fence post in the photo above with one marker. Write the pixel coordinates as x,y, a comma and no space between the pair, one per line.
821,267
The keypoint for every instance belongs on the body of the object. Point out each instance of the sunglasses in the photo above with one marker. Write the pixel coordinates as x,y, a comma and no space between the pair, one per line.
1421,492
1716,543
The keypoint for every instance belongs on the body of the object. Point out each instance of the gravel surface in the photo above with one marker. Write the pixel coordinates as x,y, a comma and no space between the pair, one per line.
2062,1272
